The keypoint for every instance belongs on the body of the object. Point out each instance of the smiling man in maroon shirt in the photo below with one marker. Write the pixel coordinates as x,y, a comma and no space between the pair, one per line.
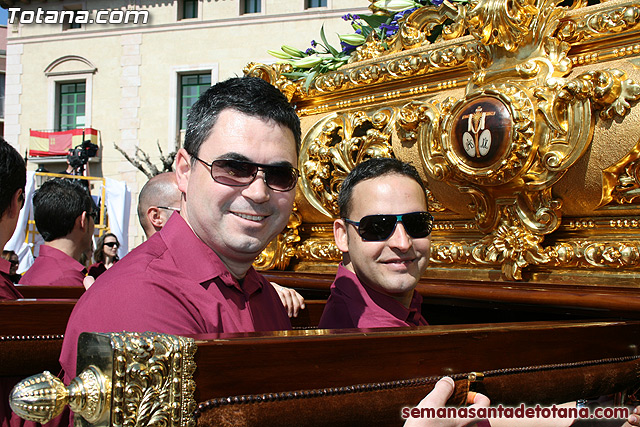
237,175
385,235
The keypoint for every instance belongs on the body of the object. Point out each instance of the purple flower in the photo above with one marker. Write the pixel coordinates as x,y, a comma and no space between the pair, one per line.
389,27
314,43
347,48
437,2
310,51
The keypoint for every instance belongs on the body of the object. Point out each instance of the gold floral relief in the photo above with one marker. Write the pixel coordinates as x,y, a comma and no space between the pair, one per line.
579,27
153,380
333,147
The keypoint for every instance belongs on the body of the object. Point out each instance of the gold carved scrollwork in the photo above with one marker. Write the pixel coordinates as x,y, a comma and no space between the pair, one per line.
502,23
515,248
153,380
420,25
587,26
281,249
621,181
273,75
319,249
333,147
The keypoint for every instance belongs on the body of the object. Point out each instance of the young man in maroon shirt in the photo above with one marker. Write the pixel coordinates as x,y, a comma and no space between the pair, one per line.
384,233
64,214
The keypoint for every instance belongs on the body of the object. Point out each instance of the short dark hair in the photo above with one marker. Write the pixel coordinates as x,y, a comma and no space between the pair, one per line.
13,174
373,168
57,204
98,255
249,95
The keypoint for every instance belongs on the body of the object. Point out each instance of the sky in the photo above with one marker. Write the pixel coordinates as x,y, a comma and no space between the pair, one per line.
3,16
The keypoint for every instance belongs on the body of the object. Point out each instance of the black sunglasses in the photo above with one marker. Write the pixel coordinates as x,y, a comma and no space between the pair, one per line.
95,215
376,228
112,244
239,173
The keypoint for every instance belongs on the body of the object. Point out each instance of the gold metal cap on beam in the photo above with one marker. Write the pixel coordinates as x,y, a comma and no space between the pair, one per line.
42,397
121,373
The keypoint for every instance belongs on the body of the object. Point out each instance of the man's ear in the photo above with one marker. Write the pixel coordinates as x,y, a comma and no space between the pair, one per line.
340,235
16,203
183,169
154,217
81,221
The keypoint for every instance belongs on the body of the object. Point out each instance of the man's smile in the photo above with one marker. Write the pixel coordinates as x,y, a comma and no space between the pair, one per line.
249,217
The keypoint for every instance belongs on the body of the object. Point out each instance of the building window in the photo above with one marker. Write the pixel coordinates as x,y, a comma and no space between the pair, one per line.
69,17
191,87
71,105
252,6
189,9
316,3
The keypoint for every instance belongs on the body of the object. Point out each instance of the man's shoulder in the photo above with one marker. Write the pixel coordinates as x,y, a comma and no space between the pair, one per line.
7,289
41,272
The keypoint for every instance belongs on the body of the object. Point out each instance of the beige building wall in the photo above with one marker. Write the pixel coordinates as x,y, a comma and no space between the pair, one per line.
132,70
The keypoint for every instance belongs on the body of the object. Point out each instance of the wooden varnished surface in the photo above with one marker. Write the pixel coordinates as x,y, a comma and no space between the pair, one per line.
272,362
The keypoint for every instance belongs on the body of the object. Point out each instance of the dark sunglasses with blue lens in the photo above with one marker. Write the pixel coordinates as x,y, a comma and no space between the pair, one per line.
376,228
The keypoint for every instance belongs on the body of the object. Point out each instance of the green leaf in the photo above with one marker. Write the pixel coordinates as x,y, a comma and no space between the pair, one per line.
310,78
331,49
298,74
277,54
374,21
293,51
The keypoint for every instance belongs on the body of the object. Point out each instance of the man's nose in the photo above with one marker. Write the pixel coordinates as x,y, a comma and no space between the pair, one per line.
258,191
400,239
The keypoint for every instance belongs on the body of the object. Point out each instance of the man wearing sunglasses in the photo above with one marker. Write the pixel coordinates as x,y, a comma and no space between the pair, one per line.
384,233
13,178
237,176
65,216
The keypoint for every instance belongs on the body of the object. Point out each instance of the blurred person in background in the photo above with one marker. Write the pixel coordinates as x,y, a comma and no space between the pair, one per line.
105,255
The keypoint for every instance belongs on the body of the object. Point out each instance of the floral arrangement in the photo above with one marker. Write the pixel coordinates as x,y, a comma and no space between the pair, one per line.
321,57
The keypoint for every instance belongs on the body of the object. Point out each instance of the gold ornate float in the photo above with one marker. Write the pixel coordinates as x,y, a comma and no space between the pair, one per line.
522,119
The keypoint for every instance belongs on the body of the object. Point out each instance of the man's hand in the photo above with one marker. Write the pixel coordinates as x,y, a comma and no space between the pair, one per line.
291,300
88,281
438,398
634,418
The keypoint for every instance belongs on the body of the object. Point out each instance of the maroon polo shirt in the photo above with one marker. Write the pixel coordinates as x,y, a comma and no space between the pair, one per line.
55,268
7,290
174,284
353,305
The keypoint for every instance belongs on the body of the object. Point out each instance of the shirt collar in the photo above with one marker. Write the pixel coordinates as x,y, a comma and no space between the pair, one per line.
57,254
198,261
385,302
